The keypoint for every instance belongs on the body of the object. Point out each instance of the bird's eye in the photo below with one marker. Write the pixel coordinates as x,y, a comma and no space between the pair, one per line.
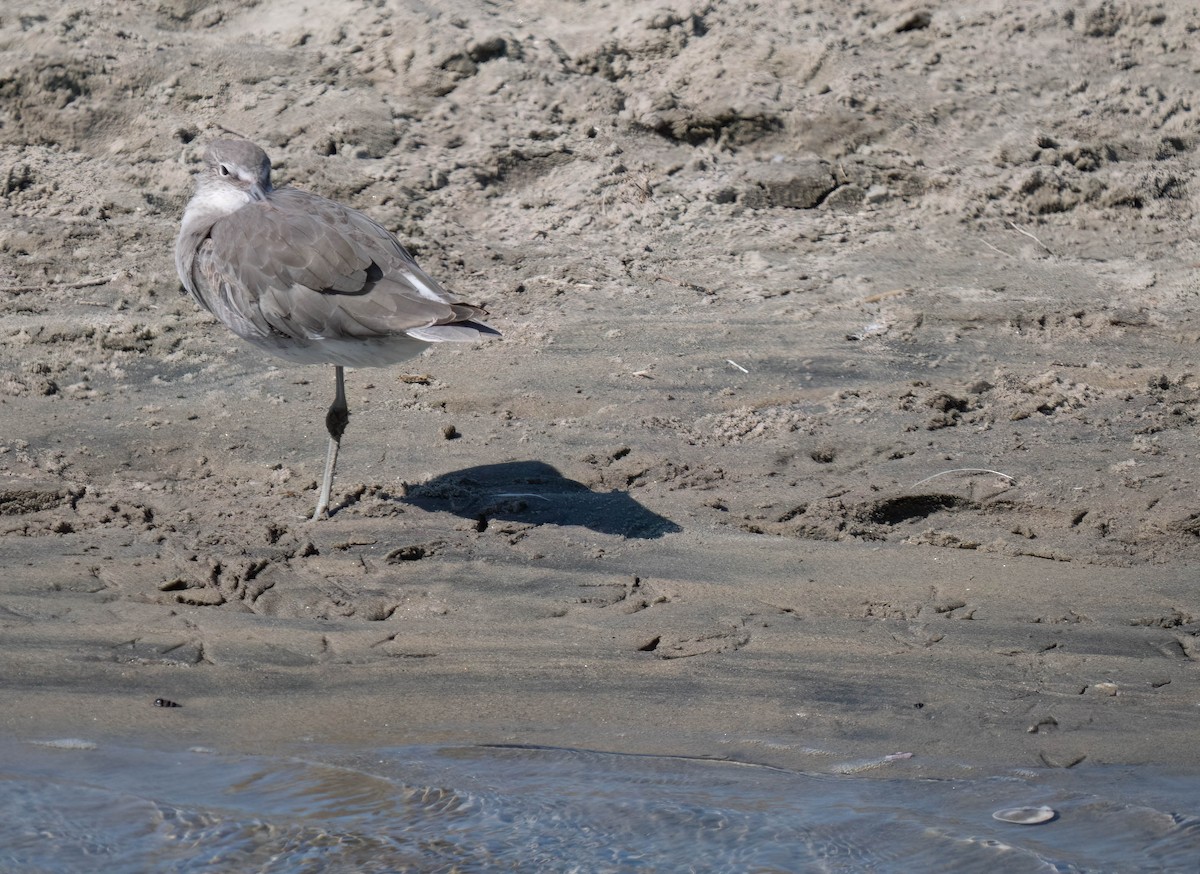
223,170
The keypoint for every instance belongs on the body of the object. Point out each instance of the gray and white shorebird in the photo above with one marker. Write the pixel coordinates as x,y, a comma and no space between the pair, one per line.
309,280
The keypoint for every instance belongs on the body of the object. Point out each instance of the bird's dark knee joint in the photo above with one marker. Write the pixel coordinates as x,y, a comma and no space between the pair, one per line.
336,421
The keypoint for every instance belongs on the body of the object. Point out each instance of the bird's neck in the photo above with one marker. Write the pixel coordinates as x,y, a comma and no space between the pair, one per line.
210,203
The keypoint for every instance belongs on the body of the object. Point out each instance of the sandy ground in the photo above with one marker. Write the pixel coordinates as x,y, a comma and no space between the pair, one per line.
846,404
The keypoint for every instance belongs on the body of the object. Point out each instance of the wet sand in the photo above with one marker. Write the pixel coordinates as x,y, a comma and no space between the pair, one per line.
846,404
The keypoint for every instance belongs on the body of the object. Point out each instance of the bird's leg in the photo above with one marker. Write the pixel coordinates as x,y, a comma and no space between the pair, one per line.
335,420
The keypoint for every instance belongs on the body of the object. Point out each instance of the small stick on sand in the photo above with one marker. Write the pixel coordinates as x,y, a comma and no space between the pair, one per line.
83,283
1021,230
231,132
963,470
738,366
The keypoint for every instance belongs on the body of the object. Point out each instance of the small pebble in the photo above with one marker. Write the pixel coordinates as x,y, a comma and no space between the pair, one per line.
1026,815
449,432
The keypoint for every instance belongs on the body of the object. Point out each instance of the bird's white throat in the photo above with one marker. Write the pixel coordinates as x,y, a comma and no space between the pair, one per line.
213,201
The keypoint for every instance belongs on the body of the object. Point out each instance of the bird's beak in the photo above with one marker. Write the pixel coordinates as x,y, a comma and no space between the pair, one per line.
257,192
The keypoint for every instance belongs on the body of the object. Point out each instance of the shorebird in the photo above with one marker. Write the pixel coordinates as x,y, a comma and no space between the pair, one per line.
308,279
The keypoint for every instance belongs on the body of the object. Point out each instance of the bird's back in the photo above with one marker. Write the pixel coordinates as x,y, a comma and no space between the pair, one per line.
311,280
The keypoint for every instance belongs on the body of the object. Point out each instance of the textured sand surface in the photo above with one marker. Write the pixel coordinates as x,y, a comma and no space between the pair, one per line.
846,404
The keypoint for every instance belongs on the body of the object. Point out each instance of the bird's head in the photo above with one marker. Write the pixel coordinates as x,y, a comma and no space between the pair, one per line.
237,164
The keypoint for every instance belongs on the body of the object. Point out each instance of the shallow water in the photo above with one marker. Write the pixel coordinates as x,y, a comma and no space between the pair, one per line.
74,806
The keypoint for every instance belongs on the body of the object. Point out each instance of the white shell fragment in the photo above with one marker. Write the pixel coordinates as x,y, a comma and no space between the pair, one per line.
1026,815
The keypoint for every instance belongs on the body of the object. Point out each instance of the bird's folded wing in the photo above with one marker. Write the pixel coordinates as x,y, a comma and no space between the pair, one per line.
304,266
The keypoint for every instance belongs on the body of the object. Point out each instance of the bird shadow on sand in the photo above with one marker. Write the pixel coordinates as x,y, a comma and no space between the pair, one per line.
535,493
